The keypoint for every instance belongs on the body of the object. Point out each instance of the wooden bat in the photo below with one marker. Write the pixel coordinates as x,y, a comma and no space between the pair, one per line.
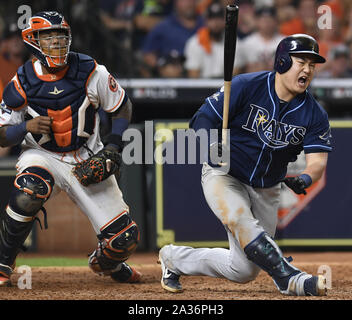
231,21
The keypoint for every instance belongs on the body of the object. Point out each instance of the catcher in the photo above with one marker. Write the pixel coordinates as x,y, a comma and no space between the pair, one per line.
51,107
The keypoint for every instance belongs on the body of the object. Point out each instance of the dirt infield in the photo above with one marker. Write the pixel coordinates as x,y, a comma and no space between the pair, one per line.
79,283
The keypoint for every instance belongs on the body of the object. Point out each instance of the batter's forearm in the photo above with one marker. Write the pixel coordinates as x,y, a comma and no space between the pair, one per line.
316,165
315,171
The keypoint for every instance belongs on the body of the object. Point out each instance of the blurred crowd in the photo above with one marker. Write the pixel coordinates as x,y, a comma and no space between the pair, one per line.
184,38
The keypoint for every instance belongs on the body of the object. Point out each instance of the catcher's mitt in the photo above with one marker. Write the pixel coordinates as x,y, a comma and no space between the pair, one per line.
98,167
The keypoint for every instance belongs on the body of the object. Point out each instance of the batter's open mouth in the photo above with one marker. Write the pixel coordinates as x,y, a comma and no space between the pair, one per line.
302,80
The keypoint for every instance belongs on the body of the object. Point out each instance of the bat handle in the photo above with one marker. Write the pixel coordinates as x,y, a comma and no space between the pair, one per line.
225,116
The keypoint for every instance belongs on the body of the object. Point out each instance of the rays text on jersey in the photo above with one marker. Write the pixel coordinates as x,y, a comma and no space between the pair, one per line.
272,132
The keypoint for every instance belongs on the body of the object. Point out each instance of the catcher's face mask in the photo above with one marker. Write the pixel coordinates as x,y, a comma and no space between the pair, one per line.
54,44
48,37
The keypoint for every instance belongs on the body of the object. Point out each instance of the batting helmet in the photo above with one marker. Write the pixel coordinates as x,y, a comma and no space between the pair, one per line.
297,43
43,21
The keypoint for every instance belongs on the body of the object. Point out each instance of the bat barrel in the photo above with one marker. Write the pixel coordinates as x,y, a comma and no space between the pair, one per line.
231,20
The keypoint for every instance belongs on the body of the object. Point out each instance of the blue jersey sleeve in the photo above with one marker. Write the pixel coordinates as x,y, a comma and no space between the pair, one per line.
318,134
213,105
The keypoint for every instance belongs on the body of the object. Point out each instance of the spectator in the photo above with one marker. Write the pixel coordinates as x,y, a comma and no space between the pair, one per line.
171,66
263,3
329,38
246,20
117,16
204,51
338,63
202,6
147,15
12,53
257,51
2,24
340,9
286,10
1,89
348,25
305,20
172,33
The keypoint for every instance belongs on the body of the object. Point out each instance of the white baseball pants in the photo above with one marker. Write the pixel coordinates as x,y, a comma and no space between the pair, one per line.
101,202
245,212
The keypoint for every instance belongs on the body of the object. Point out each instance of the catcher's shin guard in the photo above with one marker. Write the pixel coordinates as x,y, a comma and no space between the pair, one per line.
117,241
32,188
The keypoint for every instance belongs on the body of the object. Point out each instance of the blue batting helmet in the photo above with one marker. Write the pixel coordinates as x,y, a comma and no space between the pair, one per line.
297,43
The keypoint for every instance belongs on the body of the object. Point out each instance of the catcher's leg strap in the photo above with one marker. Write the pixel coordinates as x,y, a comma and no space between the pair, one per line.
118,239
32,188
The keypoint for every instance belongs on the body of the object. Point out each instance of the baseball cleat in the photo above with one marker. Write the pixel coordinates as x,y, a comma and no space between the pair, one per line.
126,274
5,273
303,284
315,286
169,280
5,281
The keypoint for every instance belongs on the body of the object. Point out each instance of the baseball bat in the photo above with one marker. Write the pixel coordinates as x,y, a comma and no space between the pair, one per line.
231,21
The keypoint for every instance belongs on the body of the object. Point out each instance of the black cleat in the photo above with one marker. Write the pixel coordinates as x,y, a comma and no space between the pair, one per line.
126,274
169,280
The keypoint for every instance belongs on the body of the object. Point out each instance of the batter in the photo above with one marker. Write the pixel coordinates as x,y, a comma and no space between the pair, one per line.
272,118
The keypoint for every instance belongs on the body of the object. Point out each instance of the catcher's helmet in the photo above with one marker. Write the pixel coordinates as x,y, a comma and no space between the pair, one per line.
297,43
43,21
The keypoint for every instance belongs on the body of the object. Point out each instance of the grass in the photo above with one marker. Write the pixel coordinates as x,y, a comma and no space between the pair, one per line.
52,262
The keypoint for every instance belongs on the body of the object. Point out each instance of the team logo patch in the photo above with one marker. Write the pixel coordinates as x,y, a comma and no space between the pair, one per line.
112,83
326,136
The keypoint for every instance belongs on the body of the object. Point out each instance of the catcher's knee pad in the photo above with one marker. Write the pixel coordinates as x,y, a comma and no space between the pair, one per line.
33,187
117,241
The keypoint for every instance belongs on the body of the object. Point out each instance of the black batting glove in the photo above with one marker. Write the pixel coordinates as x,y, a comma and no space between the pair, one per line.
299,184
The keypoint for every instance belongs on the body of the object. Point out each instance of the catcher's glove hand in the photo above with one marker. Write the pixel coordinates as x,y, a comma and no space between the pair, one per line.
298,184
98,167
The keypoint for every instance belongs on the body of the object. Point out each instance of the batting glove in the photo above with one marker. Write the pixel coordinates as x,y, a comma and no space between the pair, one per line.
299,184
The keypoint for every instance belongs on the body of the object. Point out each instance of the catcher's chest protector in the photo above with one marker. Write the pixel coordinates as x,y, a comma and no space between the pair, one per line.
61,99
